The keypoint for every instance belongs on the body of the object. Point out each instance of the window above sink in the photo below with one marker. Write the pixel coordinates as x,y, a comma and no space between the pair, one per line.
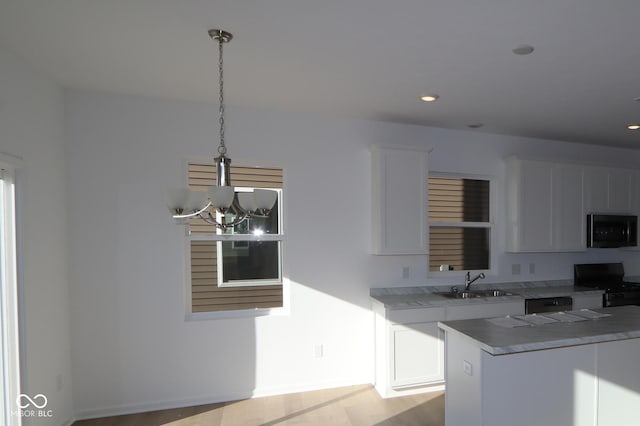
460,237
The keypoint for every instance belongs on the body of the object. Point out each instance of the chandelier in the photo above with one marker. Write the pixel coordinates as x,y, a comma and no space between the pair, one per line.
221,205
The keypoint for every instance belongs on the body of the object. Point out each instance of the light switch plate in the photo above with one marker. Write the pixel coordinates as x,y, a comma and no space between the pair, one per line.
468,368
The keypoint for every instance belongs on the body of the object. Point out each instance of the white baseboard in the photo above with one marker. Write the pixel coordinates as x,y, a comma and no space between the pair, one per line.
69,422
124,409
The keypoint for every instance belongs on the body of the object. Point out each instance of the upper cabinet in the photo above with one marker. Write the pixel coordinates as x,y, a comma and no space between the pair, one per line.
609,190
545,206
569,227
399,194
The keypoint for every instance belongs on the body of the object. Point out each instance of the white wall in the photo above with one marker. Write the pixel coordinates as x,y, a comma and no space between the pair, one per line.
131,346
32,127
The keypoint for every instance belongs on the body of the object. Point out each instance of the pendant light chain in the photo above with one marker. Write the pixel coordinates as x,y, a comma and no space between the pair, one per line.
222,149
221,198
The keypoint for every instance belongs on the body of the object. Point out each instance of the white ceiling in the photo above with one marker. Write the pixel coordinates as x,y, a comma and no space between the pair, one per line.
358,58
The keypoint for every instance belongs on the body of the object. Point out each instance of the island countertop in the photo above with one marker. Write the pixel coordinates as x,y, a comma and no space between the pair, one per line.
619,323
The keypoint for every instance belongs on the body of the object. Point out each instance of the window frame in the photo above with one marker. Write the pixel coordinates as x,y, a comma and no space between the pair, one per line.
11,334
487,225
218,237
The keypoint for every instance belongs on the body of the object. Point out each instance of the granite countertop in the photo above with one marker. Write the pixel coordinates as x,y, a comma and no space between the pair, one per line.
425,296
500,339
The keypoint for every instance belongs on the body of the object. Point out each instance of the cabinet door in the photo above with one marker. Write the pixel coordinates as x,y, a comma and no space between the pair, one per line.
417,355
569,215
609,190
546,210
618,383
399,200
587,301
530,205
598,190
620,190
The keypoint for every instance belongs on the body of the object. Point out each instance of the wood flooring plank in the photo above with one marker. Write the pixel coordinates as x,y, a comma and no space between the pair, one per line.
347,406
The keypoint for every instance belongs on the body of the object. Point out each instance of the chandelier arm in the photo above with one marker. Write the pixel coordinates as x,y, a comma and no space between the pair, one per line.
192,215
238,220
240,214
208,218
259,216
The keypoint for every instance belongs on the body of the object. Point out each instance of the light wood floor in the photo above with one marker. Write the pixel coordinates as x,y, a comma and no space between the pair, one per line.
354,405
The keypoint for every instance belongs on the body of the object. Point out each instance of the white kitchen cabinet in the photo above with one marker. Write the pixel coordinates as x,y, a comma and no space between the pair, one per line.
410,347
586,301
545,387
529,210
417,355
591,384
399,194
609,190
619,384
409,351
484,310
545,208
569,219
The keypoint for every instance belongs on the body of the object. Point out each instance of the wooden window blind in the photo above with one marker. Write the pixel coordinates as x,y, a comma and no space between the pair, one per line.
206,295
459,232
458,200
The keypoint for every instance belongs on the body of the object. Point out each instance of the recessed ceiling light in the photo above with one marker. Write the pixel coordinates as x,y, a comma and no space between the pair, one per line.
429,98
633,126
523,49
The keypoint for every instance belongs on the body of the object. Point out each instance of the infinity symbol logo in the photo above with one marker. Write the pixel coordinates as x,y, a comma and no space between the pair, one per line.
30,401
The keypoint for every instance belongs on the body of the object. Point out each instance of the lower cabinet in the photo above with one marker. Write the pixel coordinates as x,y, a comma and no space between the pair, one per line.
484,310
587,301
409,348
594,384
619,383
417,354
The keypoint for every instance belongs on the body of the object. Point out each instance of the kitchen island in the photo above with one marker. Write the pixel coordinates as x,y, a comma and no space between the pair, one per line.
574,369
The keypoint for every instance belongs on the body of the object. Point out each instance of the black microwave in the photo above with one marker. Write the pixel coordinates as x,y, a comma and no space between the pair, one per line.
606,230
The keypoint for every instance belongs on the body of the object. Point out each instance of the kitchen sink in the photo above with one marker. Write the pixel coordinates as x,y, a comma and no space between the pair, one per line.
458,295
474,293
493,293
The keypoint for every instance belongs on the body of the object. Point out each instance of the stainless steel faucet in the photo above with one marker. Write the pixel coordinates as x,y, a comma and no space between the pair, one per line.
468,281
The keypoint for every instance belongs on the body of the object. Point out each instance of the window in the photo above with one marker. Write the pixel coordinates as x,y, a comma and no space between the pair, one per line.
459,223
240,268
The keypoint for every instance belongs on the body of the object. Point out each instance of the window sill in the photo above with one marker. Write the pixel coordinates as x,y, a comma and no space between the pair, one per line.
241,313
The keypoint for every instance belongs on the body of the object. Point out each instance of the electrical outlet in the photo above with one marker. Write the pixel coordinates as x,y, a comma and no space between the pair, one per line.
405,272
467,368
515,269
318,350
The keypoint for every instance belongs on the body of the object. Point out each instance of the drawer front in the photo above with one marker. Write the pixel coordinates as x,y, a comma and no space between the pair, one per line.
408,316
485,310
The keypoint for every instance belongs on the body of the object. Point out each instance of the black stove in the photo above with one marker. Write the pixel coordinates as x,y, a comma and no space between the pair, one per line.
610,278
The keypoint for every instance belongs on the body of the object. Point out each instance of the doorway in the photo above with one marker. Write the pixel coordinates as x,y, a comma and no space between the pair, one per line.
9,343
